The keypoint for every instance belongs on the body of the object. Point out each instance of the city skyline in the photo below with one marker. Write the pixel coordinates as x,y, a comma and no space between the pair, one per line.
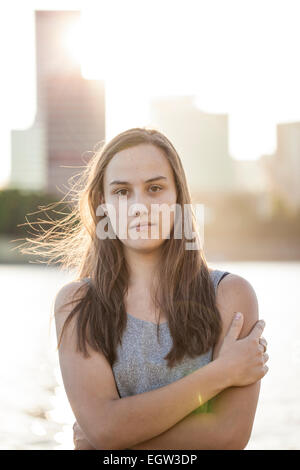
273,55
70,112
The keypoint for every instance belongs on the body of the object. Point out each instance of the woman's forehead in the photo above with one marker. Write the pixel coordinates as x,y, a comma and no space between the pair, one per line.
137,163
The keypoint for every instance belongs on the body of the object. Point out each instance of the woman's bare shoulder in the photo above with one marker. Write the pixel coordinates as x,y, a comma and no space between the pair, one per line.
236,291
64,302
236,294
68,293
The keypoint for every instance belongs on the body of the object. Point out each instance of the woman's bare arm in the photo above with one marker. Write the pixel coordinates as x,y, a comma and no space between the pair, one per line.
229,424
113,423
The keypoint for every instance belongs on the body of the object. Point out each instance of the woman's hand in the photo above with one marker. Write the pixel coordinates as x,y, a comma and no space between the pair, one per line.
80,440
244,358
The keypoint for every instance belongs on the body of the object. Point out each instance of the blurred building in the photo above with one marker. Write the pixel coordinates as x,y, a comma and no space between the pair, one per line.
283,167
251,178
249,175
201,140
70,117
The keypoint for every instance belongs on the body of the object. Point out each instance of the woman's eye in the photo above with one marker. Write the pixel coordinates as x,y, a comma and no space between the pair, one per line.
155,186
119,191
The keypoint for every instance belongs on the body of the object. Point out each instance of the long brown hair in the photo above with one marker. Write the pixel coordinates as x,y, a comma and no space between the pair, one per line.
185,291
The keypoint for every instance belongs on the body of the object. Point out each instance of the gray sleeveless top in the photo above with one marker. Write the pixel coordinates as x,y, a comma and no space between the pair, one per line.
140,365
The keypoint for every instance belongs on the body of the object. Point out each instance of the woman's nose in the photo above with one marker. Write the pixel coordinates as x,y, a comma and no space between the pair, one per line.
137,209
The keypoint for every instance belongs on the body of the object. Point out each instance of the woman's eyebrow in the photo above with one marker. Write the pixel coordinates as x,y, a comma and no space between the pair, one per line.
155,178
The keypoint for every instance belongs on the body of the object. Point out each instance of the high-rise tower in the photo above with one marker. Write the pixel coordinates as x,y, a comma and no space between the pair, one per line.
70,116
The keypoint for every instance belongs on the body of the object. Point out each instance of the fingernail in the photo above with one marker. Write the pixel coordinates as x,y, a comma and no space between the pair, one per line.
263,324
238,316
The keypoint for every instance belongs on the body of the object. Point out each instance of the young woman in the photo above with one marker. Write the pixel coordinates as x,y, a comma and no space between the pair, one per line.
150,353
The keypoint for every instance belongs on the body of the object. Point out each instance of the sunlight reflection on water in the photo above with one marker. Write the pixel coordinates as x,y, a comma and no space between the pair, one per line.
34,410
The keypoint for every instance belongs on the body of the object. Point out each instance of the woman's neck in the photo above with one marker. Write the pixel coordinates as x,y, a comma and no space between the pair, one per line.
141,267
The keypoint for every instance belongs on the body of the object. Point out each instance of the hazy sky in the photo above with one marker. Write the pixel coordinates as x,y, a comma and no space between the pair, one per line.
239,56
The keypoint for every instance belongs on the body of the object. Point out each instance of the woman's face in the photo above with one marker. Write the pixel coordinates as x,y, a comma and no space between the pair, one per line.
137,182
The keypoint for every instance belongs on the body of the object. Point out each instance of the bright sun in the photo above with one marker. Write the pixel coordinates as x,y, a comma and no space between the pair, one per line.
73,40
128,48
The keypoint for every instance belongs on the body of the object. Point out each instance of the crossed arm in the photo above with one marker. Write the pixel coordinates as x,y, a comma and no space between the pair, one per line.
228,424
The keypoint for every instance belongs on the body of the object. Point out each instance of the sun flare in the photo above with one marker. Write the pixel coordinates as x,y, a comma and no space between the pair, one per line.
73,40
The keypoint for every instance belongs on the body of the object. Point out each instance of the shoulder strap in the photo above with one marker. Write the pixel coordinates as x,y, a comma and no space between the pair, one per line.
217,275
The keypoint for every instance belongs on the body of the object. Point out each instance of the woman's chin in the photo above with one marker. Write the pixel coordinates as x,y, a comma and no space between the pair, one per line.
143,243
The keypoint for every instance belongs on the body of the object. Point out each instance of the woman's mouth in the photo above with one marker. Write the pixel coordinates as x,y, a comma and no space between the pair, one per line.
144,226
